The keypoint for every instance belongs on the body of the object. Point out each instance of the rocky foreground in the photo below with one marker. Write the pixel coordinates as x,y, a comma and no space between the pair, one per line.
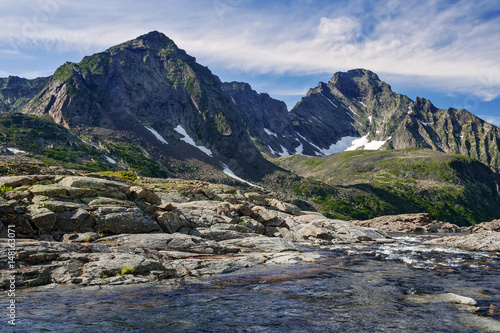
94,231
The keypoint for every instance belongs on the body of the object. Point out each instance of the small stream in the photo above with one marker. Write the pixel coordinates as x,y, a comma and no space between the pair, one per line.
370,288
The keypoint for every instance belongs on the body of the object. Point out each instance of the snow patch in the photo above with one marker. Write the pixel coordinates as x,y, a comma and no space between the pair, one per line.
16,151
110,160
341,145
300,148
187,139
353,111
370,118
329,100
284,151
231,174
157,135
423,123
366,145
461,137
268,132
363,104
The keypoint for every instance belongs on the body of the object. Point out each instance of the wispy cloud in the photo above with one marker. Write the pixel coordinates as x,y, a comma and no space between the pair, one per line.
491,119
452,45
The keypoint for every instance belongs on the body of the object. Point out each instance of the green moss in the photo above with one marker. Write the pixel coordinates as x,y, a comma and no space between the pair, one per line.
5,188
127,270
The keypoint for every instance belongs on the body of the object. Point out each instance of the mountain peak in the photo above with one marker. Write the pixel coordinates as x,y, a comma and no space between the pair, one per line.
154,40
154,37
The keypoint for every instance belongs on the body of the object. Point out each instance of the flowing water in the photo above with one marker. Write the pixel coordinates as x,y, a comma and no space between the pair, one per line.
373,288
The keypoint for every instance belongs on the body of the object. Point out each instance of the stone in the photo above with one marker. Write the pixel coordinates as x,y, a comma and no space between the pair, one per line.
106,188
256,198
59,206
110,264
80,237
488,241
437,298
42,218
141,193
284,207
219,234
106,202
411,223
171,221
16,181
123,223
484,226
166,242
79,220
69,272
53,191
6,207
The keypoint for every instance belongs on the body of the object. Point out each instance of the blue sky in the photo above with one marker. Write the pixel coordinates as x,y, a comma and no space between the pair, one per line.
446,51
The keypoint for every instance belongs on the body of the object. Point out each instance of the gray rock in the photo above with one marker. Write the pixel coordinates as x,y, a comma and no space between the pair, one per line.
219,234
171,221
106,188
284,207
488,241
42,218
141,193
80,237
167,242
123,223
106,202
74,221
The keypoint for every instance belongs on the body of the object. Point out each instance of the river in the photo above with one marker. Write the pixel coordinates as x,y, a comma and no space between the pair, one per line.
363,288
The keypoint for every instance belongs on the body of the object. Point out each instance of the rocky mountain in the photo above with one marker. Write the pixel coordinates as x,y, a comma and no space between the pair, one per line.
150,94
15,92
356,110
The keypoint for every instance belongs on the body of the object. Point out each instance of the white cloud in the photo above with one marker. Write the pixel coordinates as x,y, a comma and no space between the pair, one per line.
453,48
491,119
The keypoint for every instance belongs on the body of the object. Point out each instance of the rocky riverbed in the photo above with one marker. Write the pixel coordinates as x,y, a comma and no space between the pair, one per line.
89,230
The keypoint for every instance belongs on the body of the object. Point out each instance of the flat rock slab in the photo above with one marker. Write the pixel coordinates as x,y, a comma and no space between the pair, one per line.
488,241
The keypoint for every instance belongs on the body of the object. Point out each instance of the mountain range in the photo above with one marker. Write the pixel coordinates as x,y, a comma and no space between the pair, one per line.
147,106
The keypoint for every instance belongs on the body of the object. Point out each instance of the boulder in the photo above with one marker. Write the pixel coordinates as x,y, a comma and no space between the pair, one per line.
488,241
53,191
411,223
74,221
166,242
171,221
111,264
126,223
80,237
16,181
106,188
141,193
485,226
219,234
94,203
284,207
42,218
